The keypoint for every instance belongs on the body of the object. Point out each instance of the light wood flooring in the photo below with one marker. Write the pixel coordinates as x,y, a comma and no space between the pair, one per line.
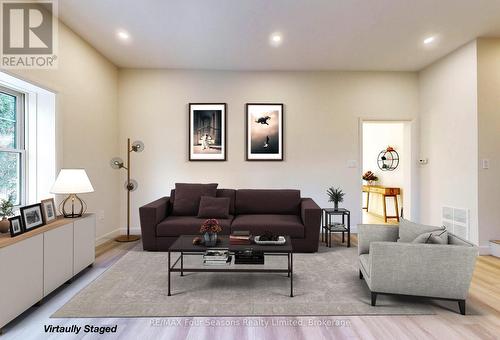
483,303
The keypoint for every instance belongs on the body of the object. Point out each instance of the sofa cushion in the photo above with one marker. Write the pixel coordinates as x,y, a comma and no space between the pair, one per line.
187,197
231,194
408,230
214,207
280,224
188,225
253,201
364,260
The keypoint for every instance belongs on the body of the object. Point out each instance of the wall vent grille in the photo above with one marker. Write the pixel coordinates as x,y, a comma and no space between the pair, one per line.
456,221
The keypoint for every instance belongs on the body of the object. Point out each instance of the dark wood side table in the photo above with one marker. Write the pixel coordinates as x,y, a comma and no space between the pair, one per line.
328,226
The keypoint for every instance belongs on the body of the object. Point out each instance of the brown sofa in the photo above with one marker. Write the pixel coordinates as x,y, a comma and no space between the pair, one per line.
281,211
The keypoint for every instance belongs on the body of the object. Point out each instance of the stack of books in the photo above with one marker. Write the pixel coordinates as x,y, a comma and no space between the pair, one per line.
240,238
217,257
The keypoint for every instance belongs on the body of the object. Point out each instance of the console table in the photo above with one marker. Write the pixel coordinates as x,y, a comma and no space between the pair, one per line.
37,262
385,192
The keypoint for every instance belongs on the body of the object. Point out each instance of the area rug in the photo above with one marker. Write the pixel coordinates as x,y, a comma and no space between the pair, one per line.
325,283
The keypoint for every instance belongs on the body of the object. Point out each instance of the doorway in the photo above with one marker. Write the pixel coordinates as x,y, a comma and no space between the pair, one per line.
386,171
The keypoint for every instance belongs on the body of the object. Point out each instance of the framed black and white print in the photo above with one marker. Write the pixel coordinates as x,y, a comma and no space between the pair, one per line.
207,132
16,226
32,216
264,132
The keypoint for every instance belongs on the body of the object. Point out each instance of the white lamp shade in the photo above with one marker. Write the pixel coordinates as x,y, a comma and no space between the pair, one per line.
72,181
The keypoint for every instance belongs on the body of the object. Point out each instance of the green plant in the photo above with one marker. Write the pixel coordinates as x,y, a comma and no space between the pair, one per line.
335,195
7,206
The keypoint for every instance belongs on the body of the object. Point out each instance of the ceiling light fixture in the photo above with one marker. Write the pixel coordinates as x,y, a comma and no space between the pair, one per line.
429,40
123,35
276,39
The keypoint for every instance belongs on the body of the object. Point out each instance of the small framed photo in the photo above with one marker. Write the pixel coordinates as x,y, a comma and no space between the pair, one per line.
207,132
16,226
264,132
49,210
32,216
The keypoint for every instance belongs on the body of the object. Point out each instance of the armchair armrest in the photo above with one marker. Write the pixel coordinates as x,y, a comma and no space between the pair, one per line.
375,232
310,214
150,215
443,271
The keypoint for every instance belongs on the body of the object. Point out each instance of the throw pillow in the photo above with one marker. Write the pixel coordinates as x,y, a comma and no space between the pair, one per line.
187,197
214,207
408,230
434,237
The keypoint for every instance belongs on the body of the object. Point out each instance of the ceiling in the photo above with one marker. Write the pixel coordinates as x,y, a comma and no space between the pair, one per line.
317,34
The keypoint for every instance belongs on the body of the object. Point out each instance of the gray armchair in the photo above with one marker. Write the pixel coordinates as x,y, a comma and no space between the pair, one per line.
427,270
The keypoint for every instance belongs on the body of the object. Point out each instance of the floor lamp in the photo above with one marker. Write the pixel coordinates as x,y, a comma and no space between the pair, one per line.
130,185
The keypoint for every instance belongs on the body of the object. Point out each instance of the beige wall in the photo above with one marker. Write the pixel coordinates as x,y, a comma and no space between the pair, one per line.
488,51
85,84
322,111
448,136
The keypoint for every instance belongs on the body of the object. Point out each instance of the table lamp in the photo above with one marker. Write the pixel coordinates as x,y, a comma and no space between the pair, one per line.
72,182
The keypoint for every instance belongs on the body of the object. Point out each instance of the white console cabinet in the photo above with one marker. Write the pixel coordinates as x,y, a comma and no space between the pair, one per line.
34,264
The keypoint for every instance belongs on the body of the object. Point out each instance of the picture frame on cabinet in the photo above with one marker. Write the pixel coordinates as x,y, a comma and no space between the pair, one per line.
16,226
32,216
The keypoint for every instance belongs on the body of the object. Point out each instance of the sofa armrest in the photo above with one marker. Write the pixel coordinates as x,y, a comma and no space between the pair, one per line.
443,271
310,213
150,215
375,232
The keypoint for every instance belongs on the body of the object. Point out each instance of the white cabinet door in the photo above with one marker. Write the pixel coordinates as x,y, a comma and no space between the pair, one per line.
84,243
21,277
57,257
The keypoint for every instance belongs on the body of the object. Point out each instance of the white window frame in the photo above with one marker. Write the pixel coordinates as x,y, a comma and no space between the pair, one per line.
20,140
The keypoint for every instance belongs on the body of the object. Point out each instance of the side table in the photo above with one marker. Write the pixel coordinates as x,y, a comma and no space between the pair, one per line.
328,226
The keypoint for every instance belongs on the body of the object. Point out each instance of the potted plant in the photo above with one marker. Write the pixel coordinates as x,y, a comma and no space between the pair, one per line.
335,195
370,177
6,210
209,229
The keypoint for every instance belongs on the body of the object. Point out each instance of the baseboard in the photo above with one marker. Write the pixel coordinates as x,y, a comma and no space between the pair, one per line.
117,232
484,250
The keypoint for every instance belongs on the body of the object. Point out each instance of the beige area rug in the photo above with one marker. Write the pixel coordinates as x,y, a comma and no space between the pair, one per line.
325,283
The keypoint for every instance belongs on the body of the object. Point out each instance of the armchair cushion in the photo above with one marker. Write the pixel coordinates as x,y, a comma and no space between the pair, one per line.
433,237
408,231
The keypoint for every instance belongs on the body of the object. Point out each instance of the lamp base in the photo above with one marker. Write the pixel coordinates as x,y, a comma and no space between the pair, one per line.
71,210
127,238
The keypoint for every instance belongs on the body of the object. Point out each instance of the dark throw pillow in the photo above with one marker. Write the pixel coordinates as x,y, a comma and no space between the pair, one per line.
212,207
187,197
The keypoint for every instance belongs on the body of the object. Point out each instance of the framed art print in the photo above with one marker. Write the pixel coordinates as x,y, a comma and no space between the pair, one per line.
207,132
16,226
32,216
49,210
264,132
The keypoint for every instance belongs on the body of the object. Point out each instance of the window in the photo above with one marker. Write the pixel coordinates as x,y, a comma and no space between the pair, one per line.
12,145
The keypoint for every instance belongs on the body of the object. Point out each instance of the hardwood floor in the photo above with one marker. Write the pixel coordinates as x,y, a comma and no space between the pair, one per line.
483,303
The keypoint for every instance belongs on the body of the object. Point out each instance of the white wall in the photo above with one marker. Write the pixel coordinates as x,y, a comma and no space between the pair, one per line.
489,138
448,136
322,112
377,136
85,84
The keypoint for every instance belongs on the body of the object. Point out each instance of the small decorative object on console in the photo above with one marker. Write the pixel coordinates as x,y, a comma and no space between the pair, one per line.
209,229
6,210
197,240
370,177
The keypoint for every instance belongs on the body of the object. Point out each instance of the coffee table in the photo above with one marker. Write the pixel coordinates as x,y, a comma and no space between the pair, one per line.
184,246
